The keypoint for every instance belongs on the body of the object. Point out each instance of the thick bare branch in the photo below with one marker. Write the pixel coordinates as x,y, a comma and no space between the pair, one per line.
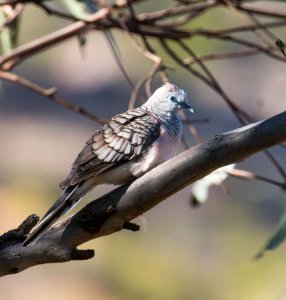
113,211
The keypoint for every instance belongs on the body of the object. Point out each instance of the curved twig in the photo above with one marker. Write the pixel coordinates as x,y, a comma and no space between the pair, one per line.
50,94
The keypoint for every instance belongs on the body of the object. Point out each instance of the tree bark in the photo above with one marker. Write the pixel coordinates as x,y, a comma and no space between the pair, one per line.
114,211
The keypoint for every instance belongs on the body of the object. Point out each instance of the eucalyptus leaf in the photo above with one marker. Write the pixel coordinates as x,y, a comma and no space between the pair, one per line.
76,8
200,189
9,34
14,30
79,10
276,239
5,35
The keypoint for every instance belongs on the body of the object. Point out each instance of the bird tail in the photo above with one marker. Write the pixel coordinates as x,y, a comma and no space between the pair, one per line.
69,198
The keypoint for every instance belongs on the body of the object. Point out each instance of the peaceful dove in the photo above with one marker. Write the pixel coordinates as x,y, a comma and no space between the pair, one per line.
125,148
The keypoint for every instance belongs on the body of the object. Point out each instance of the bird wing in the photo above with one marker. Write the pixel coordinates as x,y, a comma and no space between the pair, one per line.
126,136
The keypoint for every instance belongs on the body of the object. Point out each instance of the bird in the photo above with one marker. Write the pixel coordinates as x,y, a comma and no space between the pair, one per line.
129,145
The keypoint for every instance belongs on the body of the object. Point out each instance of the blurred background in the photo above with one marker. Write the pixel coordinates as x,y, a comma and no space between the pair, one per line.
181,252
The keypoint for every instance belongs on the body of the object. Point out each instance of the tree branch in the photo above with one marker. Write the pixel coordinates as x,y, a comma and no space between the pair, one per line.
113,211
9,60
51,95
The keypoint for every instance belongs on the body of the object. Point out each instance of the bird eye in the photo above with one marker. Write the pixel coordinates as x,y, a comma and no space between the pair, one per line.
173,99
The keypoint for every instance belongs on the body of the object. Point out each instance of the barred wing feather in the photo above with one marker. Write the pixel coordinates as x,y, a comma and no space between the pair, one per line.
125,137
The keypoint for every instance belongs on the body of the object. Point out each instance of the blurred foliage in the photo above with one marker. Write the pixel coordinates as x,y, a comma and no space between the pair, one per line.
276,239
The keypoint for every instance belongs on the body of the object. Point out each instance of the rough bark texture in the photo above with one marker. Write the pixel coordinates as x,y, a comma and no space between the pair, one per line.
113,211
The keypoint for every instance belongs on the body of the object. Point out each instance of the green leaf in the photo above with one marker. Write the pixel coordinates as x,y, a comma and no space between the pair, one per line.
9,34
5,35
76,8
276,239
80,10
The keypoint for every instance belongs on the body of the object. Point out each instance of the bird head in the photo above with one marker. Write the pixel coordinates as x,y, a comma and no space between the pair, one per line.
169,98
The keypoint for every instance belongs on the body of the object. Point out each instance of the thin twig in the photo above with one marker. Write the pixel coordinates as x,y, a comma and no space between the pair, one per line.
210,81
218,56
9,60
247,175
261,12
54,12
175,10
234,107
197,137
244,20
276,164
156,59
213,83
135,93
50,94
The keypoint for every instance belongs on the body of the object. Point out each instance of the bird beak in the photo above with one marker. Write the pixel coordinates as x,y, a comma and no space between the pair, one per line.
187,106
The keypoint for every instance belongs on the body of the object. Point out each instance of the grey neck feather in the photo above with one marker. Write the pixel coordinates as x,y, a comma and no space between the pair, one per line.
169,119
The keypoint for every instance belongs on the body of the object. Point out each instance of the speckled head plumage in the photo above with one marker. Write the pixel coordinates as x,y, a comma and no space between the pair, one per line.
168,99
